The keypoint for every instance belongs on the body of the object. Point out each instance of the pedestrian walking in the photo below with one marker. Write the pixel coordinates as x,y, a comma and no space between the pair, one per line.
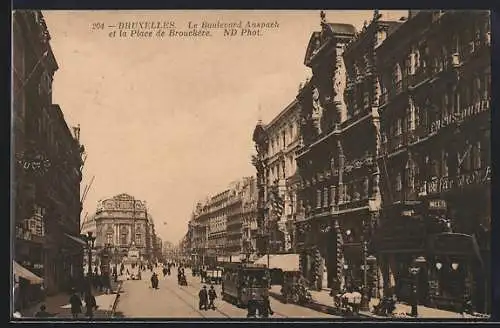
467,308
90,305
266,310
76,304
356,295
154,281
212,295
203,298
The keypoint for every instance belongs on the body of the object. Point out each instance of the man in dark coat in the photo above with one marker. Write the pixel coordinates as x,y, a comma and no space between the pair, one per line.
76,304
203,296
154,280
90,305
266,310
212,295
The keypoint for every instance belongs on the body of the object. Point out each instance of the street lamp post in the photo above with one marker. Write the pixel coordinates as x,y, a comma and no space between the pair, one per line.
414,270
90,240
365,301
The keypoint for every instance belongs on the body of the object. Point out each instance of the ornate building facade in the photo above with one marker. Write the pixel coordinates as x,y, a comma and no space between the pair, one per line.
47,171
224,225
122,222
340,196
276,144
435,107
395,163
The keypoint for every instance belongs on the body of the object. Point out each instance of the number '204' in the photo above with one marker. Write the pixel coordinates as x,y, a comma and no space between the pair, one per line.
97,26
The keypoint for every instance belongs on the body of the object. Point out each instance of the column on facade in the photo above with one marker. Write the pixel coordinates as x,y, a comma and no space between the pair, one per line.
116,229
129,234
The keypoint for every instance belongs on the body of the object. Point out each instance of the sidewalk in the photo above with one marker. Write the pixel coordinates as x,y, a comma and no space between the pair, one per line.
323,302
59,304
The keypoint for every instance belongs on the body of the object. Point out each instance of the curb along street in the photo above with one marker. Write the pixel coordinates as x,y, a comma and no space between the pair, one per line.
115,303
321,307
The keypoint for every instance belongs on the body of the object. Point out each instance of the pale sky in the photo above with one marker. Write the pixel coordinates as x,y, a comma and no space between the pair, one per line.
170,120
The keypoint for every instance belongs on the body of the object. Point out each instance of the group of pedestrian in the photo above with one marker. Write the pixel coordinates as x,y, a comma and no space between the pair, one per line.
349,300
181,277
166,269
76,304
207,298
100,281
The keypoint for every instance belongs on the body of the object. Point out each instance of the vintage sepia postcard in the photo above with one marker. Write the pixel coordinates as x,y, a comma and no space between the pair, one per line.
232,164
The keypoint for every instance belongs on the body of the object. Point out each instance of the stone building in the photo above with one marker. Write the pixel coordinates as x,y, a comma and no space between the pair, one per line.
276,144
249,228
157,249
122,222
339,195
435,108
224,226
47,171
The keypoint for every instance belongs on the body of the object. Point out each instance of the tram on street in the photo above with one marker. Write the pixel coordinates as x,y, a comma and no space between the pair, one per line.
243,283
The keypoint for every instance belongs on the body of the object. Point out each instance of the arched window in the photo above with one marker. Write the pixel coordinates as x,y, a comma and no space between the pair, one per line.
412,171
124,236
109,237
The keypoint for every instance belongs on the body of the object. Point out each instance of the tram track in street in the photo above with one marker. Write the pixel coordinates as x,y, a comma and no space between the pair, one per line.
197,310
222,300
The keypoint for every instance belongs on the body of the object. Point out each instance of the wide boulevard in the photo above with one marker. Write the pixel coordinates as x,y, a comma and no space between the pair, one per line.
139,300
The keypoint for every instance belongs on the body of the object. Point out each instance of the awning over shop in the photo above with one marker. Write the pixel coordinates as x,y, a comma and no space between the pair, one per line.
24,273
285,262
78,240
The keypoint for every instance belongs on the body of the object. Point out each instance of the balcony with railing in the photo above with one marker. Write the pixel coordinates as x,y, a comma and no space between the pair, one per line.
421,75
352,203
395,143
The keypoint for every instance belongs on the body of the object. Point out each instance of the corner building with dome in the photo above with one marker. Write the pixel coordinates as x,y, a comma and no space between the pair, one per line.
123,223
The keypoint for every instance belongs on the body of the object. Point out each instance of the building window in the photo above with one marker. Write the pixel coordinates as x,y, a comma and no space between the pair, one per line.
398,129
325,197
109,238
411,174
123,238
398,185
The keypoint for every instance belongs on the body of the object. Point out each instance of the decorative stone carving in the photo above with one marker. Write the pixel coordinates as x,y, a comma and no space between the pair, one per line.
339,84
317,110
